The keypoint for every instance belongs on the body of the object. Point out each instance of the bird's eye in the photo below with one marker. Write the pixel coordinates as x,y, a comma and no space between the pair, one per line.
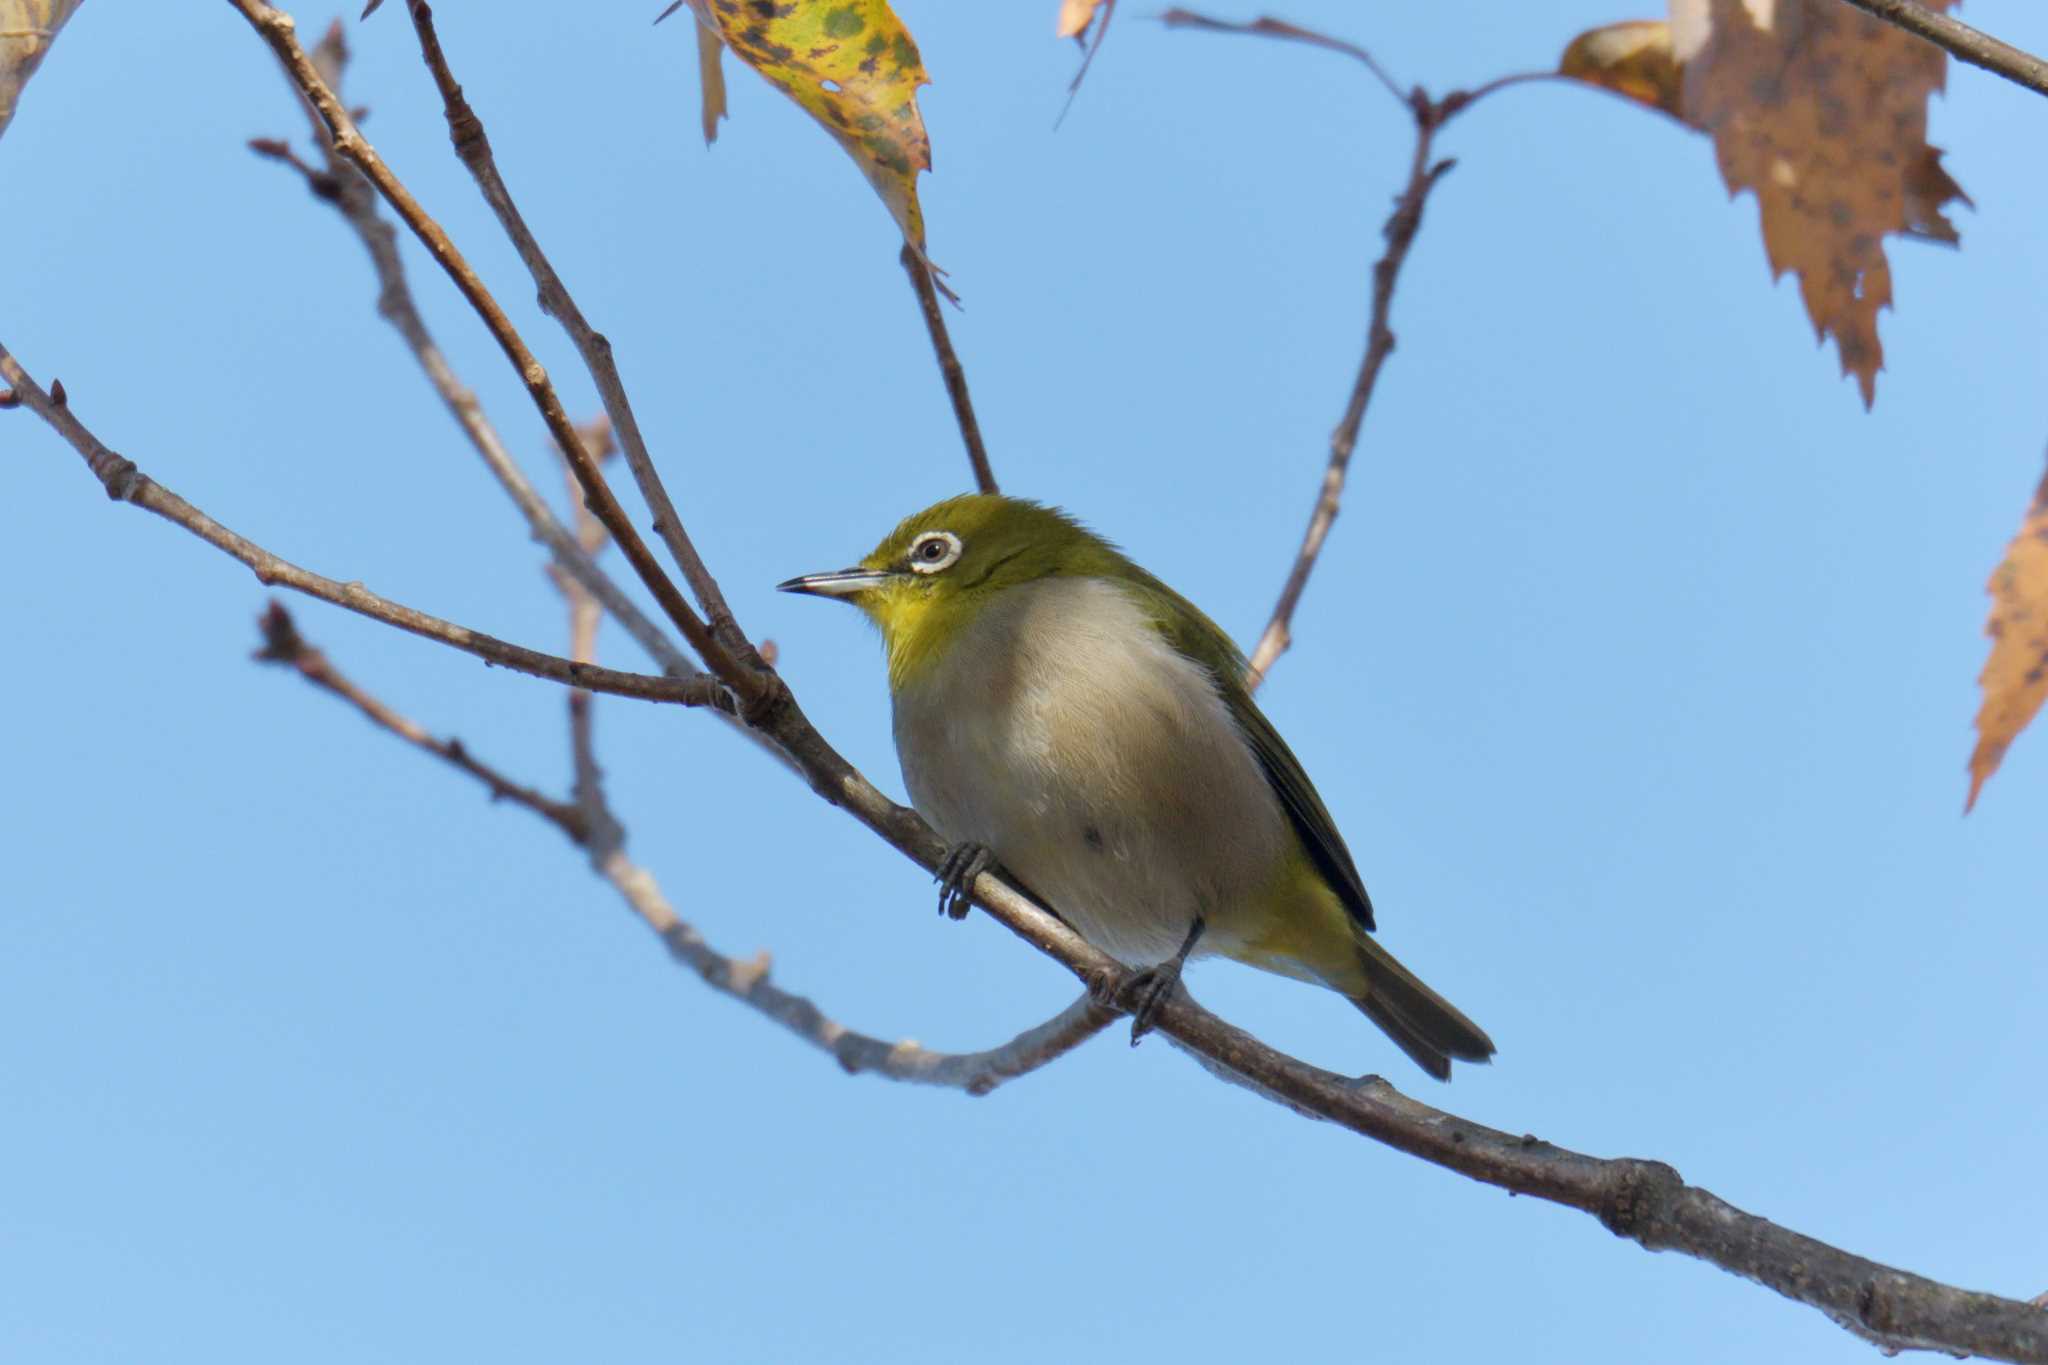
933,551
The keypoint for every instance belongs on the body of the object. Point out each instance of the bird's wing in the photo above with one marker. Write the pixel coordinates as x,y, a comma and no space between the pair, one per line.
1304,808
1197,637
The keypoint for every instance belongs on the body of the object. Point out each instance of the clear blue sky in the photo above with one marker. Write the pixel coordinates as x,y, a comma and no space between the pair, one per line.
1639,672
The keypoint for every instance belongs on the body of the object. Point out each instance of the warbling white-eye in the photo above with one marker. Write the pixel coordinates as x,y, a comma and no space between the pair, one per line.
1062,710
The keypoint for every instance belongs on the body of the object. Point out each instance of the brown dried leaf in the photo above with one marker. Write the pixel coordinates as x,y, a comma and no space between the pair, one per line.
710,81
2015,677
1821,111
1818,109
27,28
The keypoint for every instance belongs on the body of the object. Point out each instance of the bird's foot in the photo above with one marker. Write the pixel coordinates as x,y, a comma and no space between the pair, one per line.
957,871
1151,987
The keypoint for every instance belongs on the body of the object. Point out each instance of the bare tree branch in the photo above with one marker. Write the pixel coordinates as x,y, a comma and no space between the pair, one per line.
1430,115
753,688
1399,232
282,644
584,619
1644,1201
340,185
1960,40
977,1073
589,824
920,272
740,666
125,483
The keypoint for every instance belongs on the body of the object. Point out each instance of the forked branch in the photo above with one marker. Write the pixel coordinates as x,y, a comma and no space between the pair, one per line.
1430,115
752,687
1399,232
339,184
732,657
588,823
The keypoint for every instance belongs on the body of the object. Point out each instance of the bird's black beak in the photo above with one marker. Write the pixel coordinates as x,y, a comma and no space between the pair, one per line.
838,583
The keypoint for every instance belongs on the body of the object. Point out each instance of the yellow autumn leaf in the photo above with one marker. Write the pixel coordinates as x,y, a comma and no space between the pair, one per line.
1633,59
852,66
2015,677
27,28
1819,110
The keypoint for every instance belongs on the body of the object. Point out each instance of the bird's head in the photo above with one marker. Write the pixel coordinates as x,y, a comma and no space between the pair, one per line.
929,579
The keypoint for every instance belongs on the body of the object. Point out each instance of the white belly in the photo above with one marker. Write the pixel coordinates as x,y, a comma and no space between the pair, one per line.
1099,766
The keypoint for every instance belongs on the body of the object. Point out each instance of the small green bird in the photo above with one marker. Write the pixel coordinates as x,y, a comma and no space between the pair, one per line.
1065,712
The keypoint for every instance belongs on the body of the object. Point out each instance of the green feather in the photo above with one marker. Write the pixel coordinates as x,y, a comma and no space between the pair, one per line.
1195,636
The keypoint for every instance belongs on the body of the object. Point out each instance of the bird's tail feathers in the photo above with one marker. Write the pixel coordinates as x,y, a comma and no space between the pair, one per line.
1429,1028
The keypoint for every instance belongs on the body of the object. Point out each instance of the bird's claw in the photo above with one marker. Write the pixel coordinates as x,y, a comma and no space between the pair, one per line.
1151,988
957,871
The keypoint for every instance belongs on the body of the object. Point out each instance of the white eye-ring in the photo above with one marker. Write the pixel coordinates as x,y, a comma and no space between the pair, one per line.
933,551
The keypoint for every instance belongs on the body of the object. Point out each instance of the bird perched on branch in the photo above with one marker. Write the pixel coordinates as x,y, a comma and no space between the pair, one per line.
1065,714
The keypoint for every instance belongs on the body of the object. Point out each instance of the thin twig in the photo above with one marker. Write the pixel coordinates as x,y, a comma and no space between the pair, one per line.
1971,45
587,779
753,688
1399,232
739,665
588,823
125,483
342,186
1280,28
1430,115
1091,44
282,644
977,1073
1460,100
920,273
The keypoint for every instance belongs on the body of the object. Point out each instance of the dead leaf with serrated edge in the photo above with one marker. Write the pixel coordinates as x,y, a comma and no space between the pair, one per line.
2015,677
1819,110
27,28
852,66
